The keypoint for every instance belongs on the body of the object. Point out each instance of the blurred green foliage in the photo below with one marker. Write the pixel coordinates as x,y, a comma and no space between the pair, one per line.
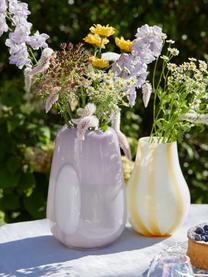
27,134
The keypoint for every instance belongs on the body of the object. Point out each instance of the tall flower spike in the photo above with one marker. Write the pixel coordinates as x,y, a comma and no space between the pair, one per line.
21,37
123,141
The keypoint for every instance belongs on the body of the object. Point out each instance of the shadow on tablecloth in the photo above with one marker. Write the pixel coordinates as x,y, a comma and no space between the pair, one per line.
35,256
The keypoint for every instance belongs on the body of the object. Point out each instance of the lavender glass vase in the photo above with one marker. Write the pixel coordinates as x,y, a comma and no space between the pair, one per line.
86,199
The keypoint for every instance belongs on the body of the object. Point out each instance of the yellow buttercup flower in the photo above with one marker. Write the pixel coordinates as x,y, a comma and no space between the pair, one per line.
104,31
96,40
100,63
123,44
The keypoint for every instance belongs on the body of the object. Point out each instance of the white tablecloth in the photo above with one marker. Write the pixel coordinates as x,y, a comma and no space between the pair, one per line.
28,248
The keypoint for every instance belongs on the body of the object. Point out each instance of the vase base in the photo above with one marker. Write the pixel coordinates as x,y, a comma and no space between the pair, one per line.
157,235
80,241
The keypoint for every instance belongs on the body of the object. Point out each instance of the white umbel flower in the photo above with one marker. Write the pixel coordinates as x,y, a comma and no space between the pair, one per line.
146,93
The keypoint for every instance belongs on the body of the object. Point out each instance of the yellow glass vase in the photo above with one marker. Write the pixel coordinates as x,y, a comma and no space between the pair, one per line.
158,197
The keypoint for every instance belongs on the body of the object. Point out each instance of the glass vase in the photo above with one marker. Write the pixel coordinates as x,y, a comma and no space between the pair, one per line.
158,197
86,199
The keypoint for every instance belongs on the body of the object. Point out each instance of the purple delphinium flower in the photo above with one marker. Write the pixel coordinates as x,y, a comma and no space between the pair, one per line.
145,49
3,24
3,6
38,41
21,37
18,53
131,95
148,43
128,66
18,8
20,34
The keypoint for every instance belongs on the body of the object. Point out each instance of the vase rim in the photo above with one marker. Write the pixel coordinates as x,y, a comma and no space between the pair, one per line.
145,140
87,131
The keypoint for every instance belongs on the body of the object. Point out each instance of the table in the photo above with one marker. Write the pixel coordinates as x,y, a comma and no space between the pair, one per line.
28,248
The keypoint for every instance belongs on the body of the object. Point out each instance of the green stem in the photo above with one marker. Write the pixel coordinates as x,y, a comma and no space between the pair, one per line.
69,111
155,91
32,55
154,103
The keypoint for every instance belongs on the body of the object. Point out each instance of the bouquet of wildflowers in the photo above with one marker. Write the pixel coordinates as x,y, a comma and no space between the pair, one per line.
87,86
180,97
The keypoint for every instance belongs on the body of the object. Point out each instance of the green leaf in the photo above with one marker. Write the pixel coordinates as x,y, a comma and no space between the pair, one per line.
9,202
36,203
26,184
8,178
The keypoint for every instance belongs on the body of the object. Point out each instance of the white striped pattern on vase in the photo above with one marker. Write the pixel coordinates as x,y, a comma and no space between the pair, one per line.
158,198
